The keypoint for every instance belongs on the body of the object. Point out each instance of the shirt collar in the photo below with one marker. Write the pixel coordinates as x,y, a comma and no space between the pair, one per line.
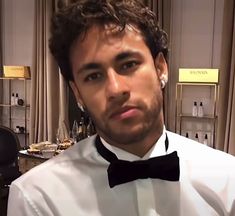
157,149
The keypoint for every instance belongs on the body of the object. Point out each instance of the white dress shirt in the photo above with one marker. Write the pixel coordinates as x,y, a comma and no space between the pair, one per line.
75,183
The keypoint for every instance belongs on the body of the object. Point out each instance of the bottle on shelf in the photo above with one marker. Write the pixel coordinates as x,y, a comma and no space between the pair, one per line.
200,110
196,137
16,99
17,130
186,135
205,141
22,130
12,99
194,109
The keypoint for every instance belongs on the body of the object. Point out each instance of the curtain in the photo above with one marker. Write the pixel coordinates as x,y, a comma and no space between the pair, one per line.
226,114
162,8
48,113
74,112
1,68
1,51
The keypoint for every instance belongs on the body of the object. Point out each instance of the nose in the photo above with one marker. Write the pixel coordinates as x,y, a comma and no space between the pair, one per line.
117,86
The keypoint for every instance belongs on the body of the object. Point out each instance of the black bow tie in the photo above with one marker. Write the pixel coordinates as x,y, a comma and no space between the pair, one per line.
164,167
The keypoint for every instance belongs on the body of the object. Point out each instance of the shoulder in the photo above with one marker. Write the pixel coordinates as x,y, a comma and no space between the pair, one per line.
66,175
190,149
209,171
200,161
203,165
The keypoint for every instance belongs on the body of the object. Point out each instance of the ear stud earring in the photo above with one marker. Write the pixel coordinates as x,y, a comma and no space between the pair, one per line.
80,107
163,83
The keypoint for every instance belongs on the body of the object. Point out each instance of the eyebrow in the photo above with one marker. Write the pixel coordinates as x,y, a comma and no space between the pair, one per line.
125,55
119,57
89,66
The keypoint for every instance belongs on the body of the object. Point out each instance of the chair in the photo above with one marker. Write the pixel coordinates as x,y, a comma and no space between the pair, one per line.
9,169
4,192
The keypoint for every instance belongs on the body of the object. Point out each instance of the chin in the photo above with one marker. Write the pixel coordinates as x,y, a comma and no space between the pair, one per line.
127,134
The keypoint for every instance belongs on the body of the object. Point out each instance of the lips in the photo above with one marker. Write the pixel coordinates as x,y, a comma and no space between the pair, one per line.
124,112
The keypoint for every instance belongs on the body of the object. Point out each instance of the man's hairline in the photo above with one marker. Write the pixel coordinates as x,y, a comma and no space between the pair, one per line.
83,36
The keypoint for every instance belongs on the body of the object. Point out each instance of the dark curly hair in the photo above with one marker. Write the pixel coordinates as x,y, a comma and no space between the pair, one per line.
73,21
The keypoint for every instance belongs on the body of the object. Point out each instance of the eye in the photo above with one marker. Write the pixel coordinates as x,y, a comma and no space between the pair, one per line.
129,65
95,76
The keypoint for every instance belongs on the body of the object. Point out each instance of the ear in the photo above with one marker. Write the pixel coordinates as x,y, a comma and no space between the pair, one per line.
161,67
76,93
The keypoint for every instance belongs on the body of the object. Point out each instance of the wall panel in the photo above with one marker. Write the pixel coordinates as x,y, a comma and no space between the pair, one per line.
196,31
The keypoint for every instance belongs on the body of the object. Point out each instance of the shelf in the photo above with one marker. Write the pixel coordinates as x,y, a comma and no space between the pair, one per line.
5,105
14,118
22,133
186,95
9,105
198,131
197,117
16,114
196,84
14,78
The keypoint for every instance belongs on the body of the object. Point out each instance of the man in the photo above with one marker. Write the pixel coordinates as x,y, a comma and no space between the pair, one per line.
113,55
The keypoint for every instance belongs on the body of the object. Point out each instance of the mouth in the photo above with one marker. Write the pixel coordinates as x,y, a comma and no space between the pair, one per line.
124,113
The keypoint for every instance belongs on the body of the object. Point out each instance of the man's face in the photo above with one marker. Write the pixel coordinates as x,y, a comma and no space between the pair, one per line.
116,80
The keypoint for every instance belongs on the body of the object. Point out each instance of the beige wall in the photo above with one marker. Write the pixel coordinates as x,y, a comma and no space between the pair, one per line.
18,31
196,33
18,35
18,42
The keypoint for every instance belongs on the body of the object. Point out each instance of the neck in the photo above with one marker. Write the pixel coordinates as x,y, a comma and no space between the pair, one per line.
143,145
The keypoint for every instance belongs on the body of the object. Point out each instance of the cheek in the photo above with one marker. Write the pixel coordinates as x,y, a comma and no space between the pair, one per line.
94,102
148,82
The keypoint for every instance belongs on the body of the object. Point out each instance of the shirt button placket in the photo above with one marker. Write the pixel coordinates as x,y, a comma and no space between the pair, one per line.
145,198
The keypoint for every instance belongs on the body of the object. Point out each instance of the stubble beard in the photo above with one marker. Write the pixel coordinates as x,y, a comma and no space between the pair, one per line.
151,122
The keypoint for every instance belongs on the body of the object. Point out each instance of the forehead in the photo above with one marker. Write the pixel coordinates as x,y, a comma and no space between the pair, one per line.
102,42
108,33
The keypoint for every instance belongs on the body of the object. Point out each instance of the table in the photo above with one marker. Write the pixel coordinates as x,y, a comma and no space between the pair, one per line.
28,161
